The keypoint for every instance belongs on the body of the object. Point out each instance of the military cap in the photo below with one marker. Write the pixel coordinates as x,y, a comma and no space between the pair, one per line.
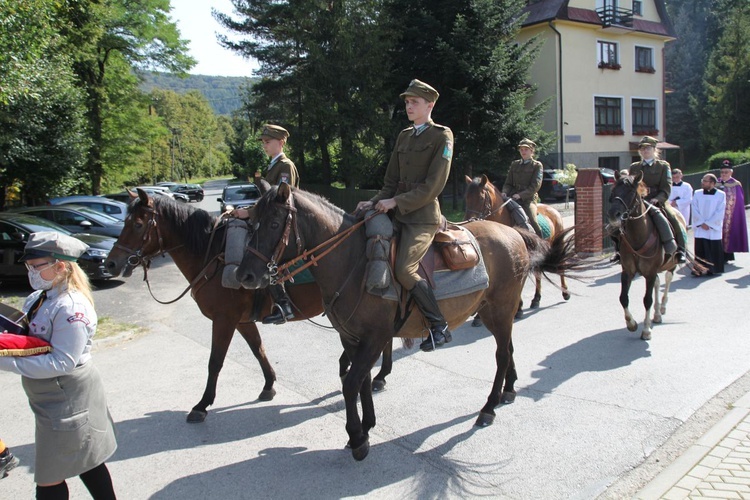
274,132
647,141
420,89
53,244
527,143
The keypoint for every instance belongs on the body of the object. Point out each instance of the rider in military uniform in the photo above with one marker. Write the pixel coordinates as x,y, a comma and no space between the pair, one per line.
657,175
415,177
281,169
522,184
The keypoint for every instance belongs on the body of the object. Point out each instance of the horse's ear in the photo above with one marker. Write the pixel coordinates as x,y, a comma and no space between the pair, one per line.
617,175
143,195
133,194
638,177
264,186
283,193
468,179
485,180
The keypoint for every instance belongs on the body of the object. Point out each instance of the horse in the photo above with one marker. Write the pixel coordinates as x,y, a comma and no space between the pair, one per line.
335,242
158,225
484,201
641,250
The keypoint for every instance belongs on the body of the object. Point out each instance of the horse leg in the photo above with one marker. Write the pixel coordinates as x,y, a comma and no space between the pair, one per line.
362,359
625,280
378,384
657,305
250,333
519,311
648,301
343,366
477,321
501,329
537,291
667,283
221,336
564,286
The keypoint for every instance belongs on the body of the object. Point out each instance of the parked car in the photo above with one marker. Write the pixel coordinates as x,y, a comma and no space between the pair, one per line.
77,219
608,176
552,188
238,196
194,192
15,229
113,208
124,196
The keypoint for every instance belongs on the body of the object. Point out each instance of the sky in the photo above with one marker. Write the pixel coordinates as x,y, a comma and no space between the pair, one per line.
196,24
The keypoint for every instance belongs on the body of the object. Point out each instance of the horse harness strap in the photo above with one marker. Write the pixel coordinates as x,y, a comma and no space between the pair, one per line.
201,278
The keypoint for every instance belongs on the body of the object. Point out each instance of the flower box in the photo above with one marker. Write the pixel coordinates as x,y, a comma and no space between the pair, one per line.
607,65
646,131
645,70
610,132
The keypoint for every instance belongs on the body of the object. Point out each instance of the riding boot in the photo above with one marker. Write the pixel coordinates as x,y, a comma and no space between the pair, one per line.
519,216
282,307
665,232
679,235
425,300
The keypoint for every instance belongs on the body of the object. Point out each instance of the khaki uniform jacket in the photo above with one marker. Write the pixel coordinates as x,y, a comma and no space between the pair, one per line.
282,170
658,178
417,173
524,180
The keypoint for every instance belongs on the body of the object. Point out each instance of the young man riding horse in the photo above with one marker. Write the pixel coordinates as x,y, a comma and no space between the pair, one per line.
416,175
657,175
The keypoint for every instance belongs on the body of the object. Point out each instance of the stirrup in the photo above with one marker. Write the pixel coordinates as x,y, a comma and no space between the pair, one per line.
279,317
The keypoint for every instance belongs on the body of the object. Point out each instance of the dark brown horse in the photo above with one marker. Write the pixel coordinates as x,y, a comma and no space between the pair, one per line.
155,226
484,201
289,221
641,251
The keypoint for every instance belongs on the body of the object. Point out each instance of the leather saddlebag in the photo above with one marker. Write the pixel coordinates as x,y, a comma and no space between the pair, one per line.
456,248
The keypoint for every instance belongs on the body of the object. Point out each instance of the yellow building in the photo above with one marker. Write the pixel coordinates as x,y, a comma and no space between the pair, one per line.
602,63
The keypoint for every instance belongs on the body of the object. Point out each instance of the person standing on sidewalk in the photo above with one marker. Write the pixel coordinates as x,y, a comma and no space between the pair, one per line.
8,462
734,233
74,430
681,196
415,177
708,215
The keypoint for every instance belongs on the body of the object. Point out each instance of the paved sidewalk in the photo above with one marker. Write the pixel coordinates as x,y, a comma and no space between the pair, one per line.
716,466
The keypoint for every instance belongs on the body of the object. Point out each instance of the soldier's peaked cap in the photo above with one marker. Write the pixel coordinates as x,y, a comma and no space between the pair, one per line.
420,89
274,132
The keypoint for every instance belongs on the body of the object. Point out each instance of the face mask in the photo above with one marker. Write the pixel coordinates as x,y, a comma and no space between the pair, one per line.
37,282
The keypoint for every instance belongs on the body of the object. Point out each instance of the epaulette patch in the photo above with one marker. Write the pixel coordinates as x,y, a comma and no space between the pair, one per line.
79,316
448,150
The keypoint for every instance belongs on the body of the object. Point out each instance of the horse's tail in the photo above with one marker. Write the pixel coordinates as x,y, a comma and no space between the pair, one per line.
555,257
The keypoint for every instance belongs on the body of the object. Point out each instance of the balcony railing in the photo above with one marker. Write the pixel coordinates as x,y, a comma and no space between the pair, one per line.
614,16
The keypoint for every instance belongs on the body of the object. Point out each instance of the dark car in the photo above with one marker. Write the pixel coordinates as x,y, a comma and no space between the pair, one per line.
15,229
124,196
608,176
77,219
113,208
193,191
552,188
239,196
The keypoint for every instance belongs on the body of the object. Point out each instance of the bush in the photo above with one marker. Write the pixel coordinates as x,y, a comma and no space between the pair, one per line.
736,157
568,175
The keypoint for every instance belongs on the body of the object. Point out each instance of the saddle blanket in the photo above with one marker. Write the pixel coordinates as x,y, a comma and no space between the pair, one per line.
544,225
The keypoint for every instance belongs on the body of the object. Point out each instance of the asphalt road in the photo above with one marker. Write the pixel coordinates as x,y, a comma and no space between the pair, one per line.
596,405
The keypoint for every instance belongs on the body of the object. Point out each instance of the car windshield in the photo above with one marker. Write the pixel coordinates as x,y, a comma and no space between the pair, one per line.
34,224
241,193
97,216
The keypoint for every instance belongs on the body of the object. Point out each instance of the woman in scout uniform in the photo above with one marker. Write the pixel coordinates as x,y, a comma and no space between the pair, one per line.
281,169
74,431
415,177
523,183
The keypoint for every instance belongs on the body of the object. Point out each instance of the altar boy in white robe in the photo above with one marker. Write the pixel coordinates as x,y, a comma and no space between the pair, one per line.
708,207
681,195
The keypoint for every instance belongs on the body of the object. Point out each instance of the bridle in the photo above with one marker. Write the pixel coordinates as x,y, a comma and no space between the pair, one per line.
628,215
487,210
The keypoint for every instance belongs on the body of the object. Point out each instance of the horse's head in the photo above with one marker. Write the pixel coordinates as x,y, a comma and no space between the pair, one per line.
274,223
479,197
625,197
138,238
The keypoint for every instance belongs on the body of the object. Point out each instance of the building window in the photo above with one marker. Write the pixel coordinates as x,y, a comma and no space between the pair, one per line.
644,117
644,60
608,115
611,162
637,7
607,55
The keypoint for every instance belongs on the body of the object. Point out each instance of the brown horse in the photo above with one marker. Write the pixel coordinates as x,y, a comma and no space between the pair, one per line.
156,226
641,250
289,221
484,201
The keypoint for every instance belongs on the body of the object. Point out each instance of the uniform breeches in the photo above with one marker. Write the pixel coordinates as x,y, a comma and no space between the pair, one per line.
413,245
670,212
530,209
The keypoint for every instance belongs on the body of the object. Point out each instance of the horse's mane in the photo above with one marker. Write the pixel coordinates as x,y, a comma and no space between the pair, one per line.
192,225
312,198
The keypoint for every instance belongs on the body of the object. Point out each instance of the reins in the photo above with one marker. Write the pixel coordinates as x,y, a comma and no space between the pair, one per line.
628,216
488,211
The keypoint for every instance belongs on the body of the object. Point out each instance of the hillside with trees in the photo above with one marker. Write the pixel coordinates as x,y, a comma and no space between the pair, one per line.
223,93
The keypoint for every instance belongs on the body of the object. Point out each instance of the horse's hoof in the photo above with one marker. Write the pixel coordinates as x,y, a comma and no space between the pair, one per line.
663,309
519,314
378,385
360,452
477,322
507,398
566,295
646,336
657,320
267,394
534,304
196,416
632,326
484,419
